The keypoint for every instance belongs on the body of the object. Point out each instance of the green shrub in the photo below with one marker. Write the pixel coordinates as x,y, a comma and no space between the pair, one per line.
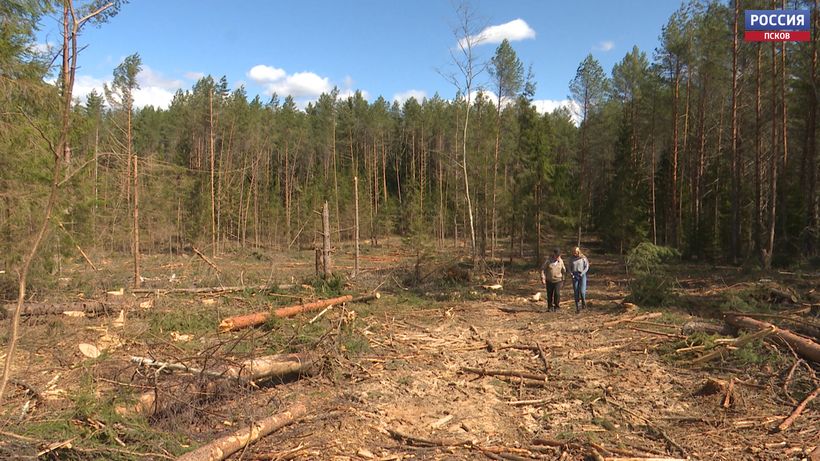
330,288
650,284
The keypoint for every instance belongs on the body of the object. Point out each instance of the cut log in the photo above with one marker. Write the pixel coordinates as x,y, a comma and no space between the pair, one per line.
149,362
259,318
803,346
270,366
273,366
221,448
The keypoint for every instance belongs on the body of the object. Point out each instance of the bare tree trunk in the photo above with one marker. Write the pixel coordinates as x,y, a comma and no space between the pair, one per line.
288,187
96,180
398,177
440,169
673,212
255,192
758,218
137,276
494,226
785,125
135,231
336,180
698,173
467,179
583,164
356,225
653,211
773,160
212,164
326,241
384,170
370,193
538,223
810,154
735,236
686,156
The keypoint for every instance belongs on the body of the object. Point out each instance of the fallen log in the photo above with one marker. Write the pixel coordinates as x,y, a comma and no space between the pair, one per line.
273,366
803,346
149,362
259,318
269,366
57,308
256,369
222,448
160,291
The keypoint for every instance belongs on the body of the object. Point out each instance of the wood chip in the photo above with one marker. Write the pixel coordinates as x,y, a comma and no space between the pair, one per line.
441,422
89,350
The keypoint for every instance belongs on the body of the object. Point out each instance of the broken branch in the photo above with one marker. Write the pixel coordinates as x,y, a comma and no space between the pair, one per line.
798,410
803,346
221,448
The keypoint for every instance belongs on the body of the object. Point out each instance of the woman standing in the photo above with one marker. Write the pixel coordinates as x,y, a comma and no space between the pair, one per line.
579,266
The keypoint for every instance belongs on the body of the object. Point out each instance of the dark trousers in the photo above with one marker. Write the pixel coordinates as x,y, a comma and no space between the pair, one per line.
554,295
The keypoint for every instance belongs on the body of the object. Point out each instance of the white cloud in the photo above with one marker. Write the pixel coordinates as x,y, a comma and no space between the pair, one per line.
545,106
155,89
42,48
149,78
302,86
606,45
83,85
153,96
265,74
350,92
515,30
194,75
405,95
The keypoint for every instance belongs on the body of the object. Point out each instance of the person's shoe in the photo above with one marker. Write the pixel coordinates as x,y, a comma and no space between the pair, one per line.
577,308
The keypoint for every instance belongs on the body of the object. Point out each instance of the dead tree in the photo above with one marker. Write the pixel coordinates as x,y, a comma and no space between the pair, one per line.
326,242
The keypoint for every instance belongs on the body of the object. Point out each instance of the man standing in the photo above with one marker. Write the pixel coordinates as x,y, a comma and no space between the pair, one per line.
579,265
552,274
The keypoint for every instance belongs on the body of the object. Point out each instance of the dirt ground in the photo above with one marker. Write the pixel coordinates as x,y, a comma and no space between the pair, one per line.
410,376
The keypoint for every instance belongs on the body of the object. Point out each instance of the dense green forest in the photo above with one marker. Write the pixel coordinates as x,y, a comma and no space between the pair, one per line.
707,144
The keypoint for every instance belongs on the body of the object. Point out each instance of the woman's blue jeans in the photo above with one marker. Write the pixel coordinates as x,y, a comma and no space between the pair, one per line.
579,287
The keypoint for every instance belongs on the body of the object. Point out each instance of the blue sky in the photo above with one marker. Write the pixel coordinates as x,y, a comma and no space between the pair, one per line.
392,48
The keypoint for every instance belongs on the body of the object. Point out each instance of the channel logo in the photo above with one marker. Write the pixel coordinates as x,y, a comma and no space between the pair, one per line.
777,26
